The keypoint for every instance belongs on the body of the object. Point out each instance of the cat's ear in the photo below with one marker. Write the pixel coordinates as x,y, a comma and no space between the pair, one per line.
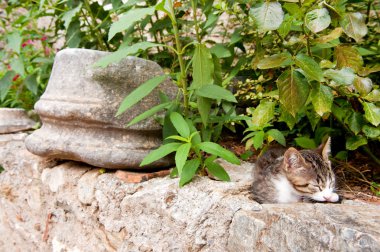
325,149
293,160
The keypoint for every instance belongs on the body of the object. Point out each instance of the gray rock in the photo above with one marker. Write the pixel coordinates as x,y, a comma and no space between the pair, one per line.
99,212
14,120
78,112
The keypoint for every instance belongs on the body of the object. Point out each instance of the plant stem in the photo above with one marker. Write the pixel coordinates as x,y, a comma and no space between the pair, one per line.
194,6
182,77
96,32
368,11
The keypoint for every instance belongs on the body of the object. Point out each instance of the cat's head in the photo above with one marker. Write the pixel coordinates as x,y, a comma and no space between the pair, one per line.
310,173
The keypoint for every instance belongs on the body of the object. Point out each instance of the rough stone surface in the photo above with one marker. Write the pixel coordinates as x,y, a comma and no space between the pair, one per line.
99,212
14,120
78,112
138,177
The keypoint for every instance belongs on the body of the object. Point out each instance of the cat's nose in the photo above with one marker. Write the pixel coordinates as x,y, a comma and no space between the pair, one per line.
327,198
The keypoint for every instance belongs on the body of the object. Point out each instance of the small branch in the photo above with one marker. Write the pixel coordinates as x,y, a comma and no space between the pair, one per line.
46,232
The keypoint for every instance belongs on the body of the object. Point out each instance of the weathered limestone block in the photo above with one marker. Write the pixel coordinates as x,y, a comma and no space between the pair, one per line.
78,112
99,212
14,120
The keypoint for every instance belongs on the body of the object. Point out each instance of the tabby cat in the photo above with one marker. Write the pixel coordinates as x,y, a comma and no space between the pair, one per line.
288,175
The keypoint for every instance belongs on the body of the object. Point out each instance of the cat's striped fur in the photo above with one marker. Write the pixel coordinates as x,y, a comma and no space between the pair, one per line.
288,175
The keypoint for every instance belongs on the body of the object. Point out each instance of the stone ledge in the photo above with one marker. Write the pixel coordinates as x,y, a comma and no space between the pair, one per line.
99,212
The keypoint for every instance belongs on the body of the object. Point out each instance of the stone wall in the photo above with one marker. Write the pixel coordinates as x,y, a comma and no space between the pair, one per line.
47,205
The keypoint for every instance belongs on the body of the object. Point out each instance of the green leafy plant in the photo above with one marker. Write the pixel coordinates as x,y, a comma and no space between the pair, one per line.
195,119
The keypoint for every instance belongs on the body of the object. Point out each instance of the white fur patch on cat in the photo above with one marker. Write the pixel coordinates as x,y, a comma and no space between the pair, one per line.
285,191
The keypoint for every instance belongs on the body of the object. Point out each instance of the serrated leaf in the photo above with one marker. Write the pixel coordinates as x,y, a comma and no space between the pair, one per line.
354,142
305,142
128,19
31,83
68,16
363,85
268,16
216,92
139,93
344,76
6,83
277,60
149,113
263,114
348,56
161,152
293,90
277,136
313,118
189,170
181,156
216,170
258,140
371,132
14,41
354,26
355,122
220,51
180,124
217,150
120,54
371,113
322,99
374,96
336,33
317,20
310,67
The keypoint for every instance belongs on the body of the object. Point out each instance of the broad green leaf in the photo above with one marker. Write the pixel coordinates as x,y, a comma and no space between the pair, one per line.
355,122
68,16
371,132
181,156
342,155
354,142
293,9
364,71
18,66
220,51
139,93
336,33
313,118
287,118
317,20
322,98
293,90
374,96
344,76
310,67
31,83
217,150
149,113
305,142
268,16
263,114
363,85
74,34
204,108
215,92
277,60
258,140
203,67
180,124
161,152
167,7
189,170
129,19
218,71
120,54
354,26
211,21
14,41
277,136
348,56
286,26
5,84
216,170
236,36
371,113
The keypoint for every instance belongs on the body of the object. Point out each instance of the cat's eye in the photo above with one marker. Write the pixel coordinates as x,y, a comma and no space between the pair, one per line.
303,185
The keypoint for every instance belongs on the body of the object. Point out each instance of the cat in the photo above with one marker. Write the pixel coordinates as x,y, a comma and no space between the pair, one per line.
288,176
